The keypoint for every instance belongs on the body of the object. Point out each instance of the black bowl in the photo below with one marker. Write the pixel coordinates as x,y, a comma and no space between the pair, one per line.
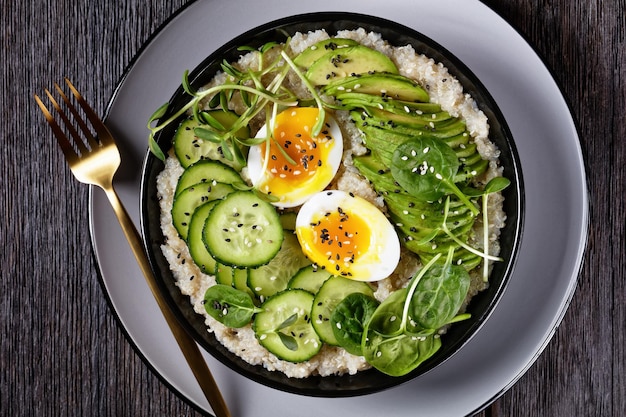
481,305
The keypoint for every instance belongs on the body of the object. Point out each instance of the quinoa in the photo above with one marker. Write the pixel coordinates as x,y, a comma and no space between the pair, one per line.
445,90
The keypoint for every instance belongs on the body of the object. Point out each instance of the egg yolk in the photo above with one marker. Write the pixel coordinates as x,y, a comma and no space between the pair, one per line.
337,240
307,154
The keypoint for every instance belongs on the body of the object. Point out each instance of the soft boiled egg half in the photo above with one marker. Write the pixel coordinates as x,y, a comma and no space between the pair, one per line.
312,162
348,236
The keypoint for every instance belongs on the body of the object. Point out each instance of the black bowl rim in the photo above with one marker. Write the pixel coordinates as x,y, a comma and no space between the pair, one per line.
370,381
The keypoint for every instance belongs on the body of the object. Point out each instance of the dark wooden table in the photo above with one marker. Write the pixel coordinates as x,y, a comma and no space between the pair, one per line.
62,352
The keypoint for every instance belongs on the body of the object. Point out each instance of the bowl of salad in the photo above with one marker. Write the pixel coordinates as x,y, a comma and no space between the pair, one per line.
332,204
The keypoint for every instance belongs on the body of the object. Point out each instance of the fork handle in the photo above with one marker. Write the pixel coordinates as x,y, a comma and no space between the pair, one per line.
186,343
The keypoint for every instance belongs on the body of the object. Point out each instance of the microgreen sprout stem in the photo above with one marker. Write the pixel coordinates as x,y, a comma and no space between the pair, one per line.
412,286
319,124
485,255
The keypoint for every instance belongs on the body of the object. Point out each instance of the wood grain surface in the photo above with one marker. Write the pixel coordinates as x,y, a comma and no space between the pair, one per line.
62,352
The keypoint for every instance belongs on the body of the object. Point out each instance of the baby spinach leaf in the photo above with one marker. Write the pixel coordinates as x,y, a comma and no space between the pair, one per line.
229,306
399,355
402,332
348,321
423,166
439,295
388,347
387,319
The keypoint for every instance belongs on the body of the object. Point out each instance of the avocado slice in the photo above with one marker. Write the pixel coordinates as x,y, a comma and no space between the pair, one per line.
419,223
441,126
387,85
311,54
357,59
426,112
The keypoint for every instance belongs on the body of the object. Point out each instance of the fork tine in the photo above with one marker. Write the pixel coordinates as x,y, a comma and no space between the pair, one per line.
103,132
93,143
82,149
66,146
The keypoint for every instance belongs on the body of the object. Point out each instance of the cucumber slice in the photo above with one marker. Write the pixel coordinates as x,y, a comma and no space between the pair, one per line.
190,149
284,326
197,250
207,171
224,274
243,231
272,278
332,292
234,277
240,280
309,278
193,197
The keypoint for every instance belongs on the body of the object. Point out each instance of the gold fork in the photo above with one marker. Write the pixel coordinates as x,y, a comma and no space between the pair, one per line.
93,159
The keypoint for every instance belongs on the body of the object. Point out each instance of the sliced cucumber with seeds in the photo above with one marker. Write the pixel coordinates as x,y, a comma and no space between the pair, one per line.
197,249
243,231
207,171
332,292
272,278
309,278
190,149
186,202
284,326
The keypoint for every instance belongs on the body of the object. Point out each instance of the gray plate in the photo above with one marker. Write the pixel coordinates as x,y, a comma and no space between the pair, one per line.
556,201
